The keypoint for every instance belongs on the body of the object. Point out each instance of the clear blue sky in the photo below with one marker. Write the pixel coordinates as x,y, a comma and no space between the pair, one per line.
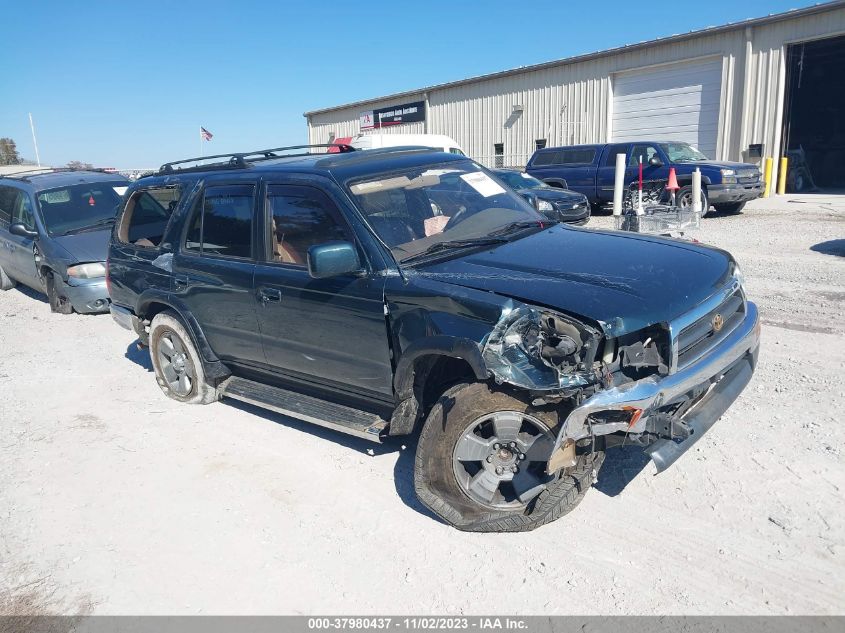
128,84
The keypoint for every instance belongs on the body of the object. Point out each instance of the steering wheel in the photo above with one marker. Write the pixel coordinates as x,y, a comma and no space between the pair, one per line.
456,219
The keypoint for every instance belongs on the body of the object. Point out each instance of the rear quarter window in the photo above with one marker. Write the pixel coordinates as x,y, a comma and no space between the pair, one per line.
147,214
569,156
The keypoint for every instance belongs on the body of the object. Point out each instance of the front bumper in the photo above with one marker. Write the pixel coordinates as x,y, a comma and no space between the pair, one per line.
726,370
88,296
718,194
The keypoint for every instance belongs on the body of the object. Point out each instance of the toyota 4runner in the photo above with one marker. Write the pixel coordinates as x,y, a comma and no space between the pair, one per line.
406,290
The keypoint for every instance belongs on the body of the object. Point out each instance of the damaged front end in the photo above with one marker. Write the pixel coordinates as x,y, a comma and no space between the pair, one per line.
633,388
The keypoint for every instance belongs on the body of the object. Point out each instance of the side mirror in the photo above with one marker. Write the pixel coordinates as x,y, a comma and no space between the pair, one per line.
655,161
332,259
22,231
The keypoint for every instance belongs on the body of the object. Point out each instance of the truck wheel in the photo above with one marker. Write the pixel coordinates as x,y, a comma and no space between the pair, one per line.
6,282
58,303
177,364
729,207
684,199
481,459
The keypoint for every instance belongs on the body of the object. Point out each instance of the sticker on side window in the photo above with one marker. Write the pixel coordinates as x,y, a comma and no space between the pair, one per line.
482,183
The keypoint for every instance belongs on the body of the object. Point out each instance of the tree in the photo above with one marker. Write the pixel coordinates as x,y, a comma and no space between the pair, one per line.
9,152
78,164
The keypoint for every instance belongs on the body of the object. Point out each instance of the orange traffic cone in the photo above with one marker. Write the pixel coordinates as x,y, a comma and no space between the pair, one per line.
673,180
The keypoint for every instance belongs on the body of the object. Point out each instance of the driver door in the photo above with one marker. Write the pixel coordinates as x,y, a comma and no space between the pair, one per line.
330,332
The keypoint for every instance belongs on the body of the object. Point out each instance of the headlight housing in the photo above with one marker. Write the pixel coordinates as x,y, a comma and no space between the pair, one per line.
728,176
541,350
545,205
87,271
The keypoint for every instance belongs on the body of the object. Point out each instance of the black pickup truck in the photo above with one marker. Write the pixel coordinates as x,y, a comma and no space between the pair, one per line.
591,169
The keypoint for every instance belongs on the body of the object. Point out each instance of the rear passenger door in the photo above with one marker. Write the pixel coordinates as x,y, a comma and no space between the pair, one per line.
330,332
606,173
214,266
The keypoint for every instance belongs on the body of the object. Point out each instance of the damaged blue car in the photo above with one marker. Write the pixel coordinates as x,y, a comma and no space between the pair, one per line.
54,234
406,291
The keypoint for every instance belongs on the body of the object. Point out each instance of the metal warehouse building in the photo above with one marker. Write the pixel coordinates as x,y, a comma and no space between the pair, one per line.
741,91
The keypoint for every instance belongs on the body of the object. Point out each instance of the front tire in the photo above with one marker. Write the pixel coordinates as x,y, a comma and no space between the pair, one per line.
177,364
730,207
58,302
684,199
6,282
480,460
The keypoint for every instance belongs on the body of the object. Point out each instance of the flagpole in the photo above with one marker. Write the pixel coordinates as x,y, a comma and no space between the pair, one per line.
34,142
200,141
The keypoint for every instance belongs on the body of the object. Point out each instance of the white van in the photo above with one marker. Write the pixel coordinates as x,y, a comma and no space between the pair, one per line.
374,141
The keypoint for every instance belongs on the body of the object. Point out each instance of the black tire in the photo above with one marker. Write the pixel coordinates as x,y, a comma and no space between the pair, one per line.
58,303
436,483
730,207
6,282
166,327
684,199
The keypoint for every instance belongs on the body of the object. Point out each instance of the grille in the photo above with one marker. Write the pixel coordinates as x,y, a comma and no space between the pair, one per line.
698,338
748,175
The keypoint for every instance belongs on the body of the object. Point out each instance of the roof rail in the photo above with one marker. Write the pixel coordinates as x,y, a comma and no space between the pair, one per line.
27,174
242,160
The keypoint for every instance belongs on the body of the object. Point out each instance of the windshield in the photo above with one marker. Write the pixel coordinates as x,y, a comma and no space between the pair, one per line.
682,152
78,207
521,180
414,209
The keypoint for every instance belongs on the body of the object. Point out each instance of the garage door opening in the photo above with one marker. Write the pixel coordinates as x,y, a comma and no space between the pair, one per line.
814,115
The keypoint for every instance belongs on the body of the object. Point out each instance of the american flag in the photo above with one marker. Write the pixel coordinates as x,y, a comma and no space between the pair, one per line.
205,134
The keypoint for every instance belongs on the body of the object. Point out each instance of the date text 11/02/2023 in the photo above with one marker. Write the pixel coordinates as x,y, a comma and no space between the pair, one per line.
418,623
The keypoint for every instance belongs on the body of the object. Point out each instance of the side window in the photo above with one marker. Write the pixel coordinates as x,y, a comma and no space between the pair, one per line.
7,203
22,210
301,217
499,158
146,216
547,158
612,151
646,151
222,222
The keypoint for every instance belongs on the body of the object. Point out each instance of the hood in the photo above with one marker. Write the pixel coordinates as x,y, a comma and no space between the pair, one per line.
90,246
722,164
623,282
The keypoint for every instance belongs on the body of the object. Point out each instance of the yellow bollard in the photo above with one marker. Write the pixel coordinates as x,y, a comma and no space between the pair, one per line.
767,177
782,175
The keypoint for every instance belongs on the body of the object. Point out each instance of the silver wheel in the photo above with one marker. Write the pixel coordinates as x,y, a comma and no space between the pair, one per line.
499,460
176,365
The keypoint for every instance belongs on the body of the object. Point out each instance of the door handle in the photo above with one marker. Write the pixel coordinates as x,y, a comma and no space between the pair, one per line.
268,295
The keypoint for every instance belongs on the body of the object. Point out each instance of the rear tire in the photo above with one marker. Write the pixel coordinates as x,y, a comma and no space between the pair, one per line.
178,367
6,282
58,303
730,207
446,490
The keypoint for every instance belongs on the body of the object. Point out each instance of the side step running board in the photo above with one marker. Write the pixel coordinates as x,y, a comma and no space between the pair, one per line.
296,405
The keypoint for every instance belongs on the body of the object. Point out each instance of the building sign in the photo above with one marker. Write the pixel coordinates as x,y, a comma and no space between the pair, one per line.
393,115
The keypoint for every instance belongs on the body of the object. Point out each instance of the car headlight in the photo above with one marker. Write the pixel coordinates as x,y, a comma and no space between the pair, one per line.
728,176
739,276
545,205
87,271
538,349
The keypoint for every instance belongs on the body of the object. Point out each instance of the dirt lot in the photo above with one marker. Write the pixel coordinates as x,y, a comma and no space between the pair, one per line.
118,500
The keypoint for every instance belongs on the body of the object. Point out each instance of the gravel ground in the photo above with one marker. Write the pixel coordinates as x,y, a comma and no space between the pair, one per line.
126,502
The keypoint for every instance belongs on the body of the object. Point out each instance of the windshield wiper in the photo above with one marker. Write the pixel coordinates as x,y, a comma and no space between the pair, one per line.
90,227
523,224
448,245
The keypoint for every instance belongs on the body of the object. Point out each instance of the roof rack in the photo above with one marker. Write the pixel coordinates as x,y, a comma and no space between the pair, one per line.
29,173
242,160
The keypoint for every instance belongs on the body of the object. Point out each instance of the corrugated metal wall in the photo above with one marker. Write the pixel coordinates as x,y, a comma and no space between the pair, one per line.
569,103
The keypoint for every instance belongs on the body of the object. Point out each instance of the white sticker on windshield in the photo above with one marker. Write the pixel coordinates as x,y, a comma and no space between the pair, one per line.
482,183
55,197
526,176
120,190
